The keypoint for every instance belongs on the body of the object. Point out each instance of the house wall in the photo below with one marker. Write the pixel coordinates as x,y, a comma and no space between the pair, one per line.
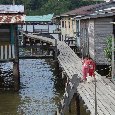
86,37
103,29
68,27
94,38
91,38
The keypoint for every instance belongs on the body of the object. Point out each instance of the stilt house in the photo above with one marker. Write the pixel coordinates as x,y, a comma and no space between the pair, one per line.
10,17
90,26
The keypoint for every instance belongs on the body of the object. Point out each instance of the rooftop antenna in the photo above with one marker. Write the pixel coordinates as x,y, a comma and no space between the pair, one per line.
13,2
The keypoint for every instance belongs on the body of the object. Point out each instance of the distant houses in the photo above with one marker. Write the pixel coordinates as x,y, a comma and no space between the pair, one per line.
89,26
38,20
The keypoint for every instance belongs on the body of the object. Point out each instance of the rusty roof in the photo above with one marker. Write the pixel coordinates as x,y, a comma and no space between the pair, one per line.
19,18
12,14
11,9
84,10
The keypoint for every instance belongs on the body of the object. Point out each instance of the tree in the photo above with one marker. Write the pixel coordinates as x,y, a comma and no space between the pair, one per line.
108,49
55,6
41,7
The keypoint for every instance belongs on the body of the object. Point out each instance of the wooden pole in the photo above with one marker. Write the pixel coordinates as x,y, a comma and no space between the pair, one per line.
77,104
113,61
48,28
33,28
55,49
16,65
70,107
16,75
95,98
13,2
26,28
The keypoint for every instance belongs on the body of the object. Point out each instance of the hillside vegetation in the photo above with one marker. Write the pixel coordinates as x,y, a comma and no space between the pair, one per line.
41,7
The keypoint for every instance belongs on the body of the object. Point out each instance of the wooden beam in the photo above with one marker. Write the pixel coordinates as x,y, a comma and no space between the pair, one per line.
36,57
38,46
77,104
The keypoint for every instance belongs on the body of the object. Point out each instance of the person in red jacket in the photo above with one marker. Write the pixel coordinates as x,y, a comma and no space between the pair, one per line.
85,68
91,67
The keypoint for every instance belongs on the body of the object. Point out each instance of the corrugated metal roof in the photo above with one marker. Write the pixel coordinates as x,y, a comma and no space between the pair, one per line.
12,18
84,10
11,9
44,18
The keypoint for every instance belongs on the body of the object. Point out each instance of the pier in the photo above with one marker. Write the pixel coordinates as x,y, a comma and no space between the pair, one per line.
102,104
80,32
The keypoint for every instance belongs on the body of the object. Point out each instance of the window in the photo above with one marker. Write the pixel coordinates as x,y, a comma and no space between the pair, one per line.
4,33
78,28
62,24
65,24
69,24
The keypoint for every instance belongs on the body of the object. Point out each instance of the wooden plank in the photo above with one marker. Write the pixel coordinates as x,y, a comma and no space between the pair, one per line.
72,65
13,51
2,53
9,51
89,90
6,54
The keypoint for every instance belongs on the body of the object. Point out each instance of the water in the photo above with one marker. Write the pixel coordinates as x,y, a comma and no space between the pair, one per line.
38,94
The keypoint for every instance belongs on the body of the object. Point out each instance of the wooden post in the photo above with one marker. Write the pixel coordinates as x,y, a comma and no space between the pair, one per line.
48,51
59,36
95,98
48,28
70,107
42,47
13,2
77,104
16,75
55,55
12,34
113,61
33,28
26,28
16,66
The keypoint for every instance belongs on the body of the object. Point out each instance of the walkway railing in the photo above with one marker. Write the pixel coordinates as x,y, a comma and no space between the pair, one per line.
7,52
71,64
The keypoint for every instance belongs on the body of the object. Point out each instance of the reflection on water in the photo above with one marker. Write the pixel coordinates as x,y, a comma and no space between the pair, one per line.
37,95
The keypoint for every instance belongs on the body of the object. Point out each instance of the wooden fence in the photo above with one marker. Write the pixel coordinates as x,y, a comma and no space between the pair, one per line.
7,52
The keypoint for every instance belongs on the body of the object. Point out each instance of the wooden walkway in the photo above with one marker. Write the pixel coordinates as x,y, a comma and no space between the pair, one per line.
72,65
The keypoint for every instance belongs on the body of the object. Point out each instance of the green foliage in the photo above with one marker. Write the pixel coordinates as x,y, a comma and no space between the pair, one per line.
41,7
55,6
108,49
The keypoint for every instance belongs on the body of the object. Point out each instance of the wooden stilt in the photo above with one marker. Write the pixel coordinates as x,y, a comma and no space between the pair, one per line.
26,28
16,66
77,104
57,65
42,46
70,107
16,75
55,50
48,28
33,28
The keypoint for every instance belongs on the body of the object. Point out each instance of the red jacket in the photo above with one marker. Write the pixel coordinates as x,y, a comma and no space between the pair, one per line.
91,65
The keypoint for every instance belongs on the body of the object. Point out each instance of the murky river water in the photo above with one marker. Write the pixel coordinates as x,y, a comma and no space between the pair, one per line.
40,90
38,94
